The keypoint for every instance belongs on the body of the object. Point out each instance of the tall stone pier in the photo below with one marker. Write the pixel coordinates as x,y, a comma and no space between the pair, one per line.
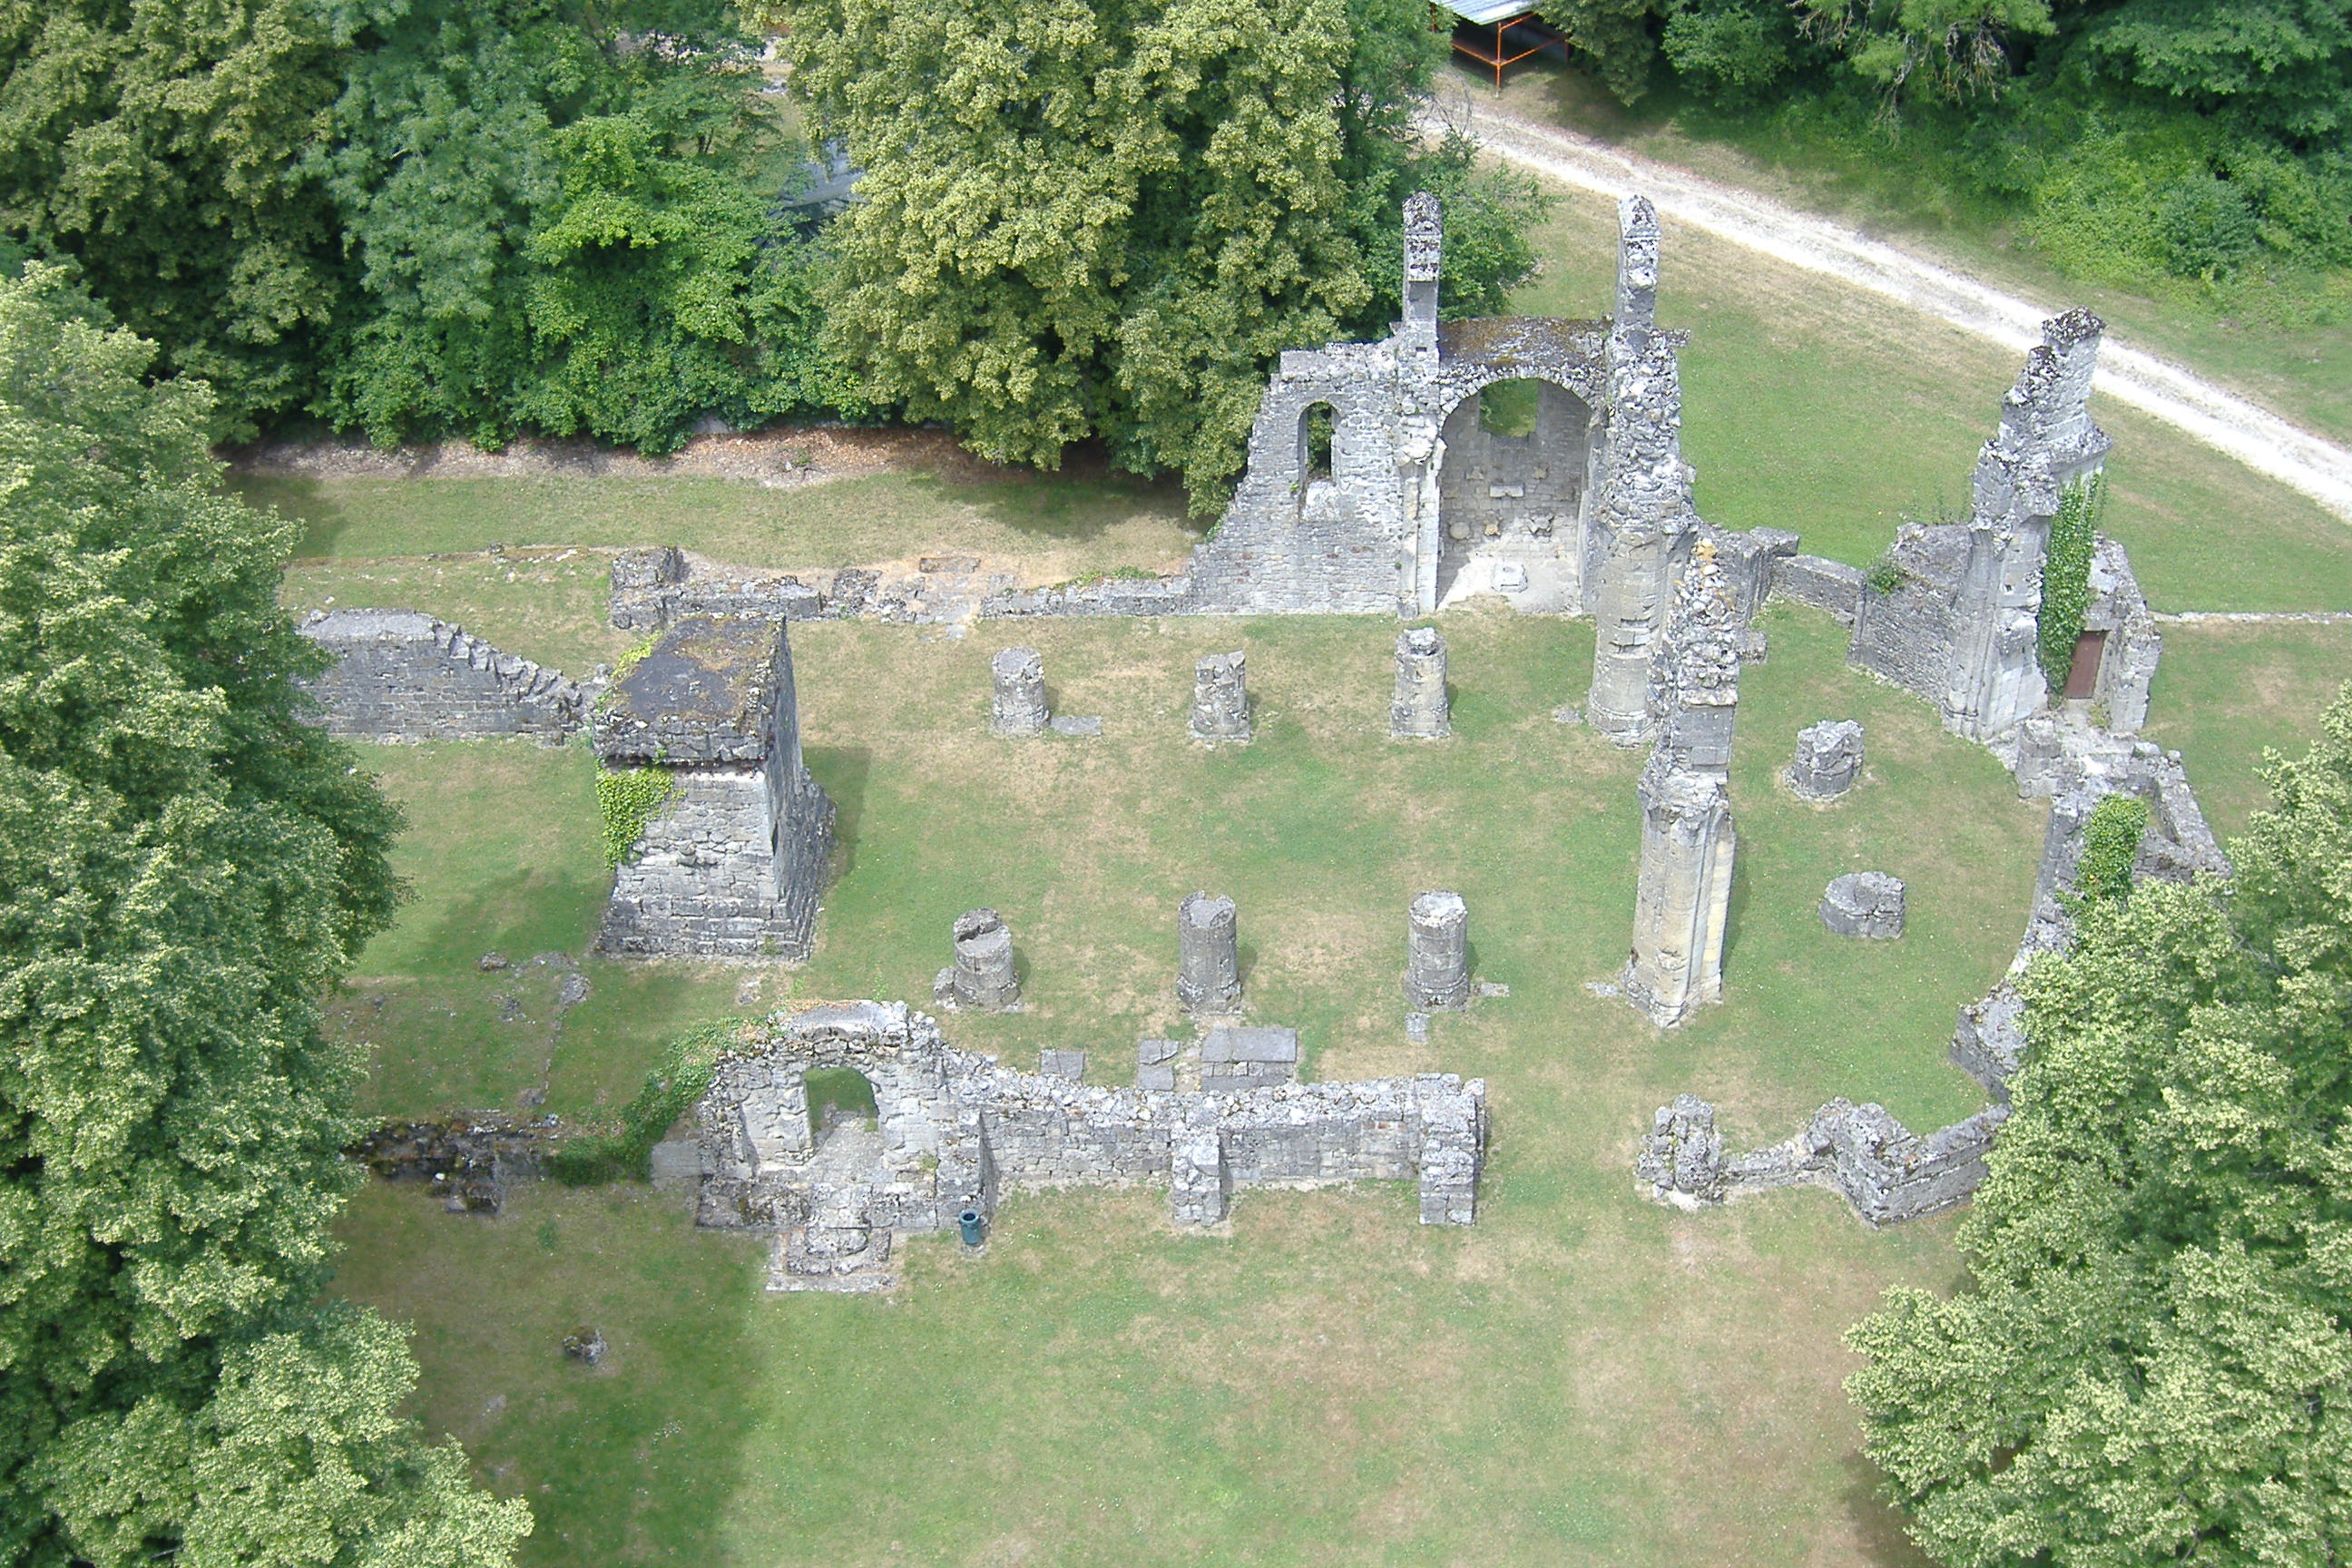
1221,697
1420,710
1684,896
1437,951
1017,703
1688,841
1643,518
1208,954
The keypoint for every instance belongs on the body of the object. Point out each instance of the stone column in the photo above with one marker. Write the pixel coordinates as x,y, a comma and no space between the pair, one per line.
1020,701
1208,960
1437,951
1684,894
1829,760
1420,710
984,976
1221,697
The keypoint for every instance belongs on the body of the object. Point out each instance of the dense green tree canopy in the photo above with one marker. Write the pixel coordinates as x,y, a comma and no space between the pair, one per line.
2153,1362
1085,220
405,215
184,868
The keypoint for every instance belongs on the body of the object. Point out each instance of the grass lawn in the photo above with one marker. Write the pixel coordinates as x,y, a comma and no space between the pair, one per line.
2303,372
2226,693
1581,1373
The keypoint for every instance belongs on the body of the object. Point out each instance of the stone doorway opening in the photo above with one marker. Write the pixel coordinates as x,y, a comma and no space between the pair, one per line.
2083,674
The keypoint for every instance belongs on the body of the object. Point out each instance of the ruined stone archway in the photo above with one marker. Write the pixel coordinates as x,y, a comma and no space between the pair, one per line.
1511,484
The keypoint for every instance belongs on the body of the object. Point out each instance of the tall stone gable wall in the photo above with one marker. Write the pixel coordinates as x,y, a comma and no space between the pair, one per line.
958,1129
1960,627
401,675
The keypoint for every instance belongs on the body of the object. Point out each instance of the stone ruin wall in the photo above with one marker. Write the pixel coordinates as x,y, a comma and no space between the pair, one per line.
734,863
957,1129
1960,628
403,676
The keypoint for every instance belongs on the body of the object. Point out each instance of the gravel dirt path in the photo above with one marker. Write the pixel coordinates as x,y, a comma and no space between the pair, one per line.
2214,415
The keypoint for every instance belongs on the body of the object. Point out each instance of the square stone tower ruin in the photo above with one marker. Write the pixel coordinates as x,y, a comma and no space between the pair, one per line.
733,862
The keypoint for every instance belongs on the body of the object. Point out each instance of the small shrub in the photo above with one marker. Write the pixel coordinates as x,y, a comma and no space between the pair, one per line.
2066,576
667,1094
627,799
1883,576
2110,843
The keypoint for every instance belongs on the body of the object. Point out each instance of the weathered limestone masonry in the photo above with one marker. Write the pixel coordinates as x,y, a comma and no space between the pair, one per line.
1017,703
400,675
1437,951
1888,1172
1829,760
1208,954
1683,894
982,975
955,1130
1864,904
1221,697
1960,628
1645,519
1420,710
733,864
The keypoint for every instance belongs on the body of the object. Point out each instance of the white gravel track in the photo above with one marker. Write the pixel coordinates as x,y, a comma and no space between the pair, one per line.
2214,415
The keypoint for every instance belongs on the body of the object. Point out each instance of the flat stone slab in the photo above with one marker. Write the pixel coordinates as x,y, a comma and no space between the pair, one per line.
1250,1043
1054,1062
706,693
1073,725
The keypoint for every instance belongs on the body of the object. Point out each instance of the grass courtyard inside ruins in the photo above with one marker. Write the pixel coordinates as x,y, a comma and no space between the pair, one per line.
1581,1376
1330,1379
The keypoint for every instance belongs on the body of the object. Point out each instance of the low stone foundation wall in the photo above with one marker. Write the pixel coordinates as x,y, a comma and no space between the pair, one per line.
1826,584
1888,1172
401,675
956,1128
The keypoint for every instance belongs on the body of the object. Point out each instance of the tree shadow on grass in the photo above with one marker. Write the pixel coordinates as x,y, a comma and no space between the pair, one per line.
524,911
1078,503
842,770
304,500
1878,1523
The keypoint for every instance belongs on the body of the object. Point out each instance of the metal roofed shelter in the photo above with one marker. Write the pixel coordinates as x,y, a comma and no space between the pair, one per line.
1503,15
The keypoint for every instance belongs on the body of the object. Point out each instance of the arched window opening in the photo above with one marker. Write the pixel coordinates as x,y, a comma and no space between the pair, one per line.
1315,431
1509,409
838,1097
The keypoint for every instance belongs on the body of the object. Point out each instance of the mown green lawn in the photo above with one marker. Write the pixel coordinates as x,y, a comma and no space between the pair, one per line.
1578,1378
1330,1382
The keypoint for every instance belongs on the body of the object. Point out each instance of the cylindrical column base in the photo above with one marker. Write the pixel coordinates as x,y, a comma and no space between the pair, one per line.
1437,951
1208,957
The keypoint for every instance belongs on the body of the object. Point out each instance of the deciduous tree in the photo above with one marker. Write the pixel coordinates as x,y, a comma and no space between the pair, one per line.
184,868
2152,1361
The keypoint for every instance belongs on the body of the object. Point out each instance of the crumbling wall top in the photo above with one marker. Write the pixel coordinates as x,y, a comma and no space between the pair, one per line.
706,692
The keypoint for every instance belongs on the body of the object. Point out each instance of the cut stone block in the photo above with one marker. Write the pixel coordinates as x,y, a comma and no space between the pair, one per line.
1019,701
1829,760
1864,904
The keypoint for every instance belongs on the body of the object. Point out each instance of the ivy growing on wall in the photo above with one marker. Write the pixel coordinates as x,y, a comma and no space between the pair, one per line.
666,1095
627,798
2066,576
2110,843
